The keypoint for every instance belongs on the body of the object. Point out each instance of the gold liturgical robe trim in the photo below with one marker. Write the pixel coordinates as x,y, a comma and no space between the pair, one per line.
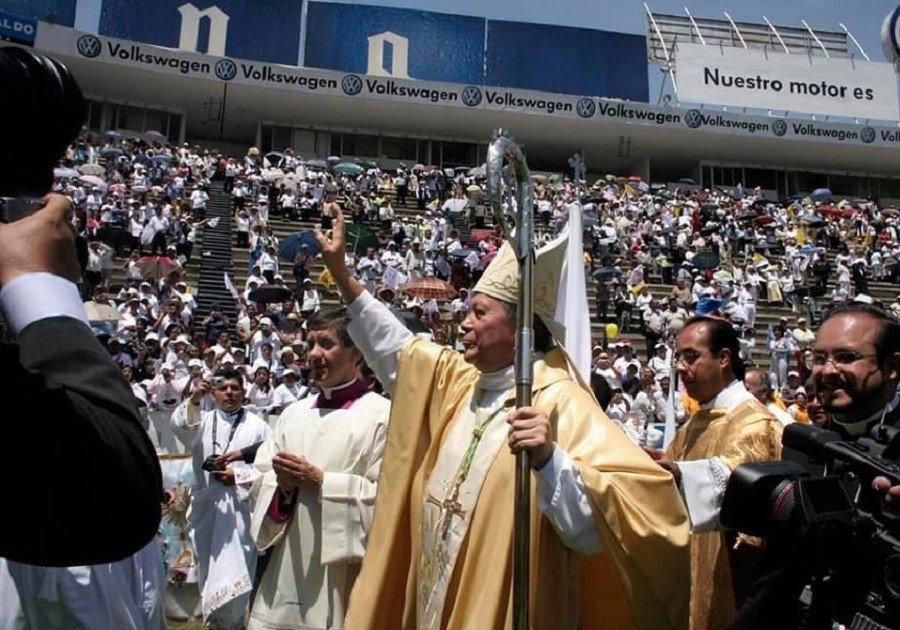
748,433
640,580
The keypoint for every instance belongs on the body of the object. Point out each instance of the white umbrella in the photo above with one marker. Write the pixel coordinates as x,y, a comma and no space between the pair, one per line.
91,169
61,172
101,312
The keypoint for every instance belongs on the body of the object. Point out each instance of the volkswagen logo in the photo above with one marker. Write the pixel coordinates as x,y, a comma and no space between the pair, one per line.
586,107
351,84
471,96
779,127
225,69
693,118
867,135
89,46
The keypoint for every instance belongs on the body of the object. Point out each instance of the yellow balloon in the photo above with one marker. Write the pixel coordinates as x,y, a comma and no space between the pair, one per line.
612,331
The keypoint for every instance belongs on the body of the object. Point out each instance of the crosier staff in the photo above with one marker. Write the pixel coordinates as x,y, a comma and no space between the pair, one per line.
504,151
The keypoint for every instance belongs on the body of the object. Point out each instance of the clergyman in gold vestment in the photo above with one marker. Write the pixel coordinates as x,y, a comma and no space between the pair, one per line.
730,428
439,554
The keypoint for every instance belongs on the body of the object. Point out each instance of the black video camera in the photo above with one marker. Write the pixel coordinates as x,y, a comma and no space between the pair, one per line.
849,549
211,465
45,110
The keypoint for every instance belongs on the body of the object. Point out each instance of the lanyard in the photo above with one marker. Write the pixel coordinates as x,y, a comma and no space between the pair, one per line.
234,427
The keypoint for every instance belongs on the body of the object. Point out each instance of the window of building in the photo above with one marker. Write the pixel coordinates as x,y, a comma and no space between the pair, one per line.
764,178
706,177
174,132
156,121
359,145
399,148
130,118
808,182
281,138
843,184
94,115
458,154
889,188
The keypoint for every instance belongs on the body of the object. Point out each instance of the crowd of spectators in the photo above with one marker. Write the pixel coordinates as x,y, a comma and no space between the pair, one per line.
725,251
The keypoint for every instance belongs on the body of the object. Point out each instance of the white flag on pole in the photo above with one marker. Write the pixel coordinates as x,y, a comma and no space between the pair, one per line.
571,304
230,286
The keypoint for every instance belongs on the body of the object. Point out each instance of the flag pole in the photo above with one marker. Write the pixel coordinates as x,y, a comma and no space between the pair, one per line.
504,150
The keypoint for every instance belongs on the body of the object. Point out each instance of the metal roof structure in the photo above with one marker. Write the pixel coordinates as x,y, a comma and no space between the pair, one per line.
665,32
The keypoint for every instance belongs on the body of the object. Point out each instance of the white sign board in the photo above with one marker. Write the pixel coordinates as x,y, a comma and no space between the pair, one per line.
740,77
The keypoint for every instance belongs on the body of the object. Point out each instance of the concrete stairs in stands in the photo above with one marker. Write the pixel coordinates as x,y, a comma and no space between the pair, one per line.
215,258
216,252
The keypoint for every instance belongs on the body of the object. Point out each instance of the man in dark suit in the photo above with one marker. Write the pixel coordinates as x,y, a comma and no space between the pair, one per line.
83,484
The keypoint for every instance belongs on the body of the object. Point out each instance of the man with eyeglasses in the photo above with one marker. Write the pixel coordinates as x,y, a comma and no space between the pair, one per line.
219,517
855,372
731,428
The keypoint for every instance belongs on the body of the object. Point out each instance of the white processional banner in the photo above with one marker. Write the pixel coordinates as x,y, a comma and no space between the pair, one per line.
766,79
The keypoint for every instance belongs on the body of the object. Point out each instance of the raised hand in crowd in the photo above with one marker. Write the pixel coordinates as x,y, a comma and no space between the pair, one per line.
334,246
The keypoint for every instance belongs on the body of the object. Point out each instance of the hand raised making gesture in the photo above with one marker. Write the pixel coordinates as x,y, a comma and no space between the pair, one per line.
333,242
334,245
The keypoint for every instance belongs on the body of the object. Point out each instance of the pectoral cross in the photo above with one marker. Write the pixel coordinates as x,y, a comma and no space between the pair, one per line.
448,507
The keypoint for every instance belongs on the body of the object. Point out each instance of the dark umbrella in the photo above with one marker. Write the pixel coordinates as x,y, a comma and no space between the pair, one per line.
606,273
270,294
361,236
821,194
317,163
461,252
155,136
112,134
368,164
116,237
688,181
161,160
111,153
349,168
812,221
290,245
706,260
274,157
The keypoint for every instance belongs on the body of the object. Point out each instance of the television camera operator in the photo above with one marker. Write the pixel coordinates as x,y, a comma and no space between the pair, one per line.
83,483
820,567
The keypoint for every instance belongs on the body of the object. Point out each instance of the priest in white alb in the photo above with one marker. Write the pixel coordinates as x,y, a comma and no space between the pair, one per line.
315,498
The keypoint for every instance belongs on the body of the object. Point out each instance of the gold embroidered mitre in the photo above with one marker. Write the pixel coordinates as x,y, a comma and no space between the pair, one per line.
501,278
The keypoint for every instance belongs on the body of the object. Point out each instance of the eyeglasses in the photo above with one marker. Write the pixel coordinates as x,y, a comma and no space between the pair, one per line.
840,358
